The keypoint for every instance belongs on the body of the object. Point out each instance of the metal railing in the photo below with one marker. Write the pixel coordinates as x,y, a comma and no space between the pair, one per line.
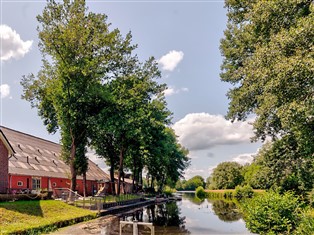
66,194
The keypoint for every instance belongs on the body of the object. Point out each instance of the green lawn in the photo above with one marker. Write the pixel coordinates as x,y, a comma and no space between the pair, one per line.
39,216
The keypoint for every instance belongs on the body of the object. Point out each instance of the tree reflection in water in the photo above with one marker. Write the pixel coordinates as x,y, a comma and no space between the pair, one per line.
205,217
192,198
226,211
166,218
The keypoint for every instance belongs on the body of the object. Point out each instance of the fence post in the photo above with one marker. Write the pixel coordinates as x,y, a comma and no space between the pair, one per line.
135,228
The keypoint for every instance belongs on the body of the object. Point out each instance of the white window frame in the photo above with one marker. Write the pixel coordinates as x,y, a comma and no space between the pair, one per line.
37,182
20,183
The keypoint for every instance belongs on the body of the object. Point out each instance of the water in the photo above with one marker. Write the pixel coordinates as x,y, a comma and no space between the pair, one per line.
189,216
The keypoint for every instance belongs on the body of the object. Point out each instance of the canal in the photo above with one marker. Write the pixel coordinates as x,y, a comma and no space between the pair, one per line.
188,216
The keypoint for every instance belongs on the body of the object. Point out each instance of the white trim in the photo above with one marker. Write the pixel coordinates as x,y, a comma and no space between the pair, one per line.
6,143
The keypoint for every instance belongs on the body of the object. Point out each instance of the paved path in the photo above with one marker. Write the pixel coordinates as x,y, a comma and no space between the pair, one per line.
96,226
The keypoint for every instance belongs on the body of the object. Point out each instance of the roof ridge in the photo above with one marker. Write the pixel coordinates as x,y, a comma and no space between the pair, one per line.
36,137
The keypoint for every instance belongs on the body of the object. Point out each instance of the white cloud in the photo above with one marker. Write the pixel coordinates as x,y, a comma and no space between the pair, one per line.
190,172
171,91
4,90
12,46
200,131
170,61
243,158
211,169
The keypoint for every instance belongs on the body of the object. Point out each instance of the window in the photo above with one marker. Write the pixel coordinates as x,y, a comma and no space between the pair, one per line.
19,183
54,184
36,183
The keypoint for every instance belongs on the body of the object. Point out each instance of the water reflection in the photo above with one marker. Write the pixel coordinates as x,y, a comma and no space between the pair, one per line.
226,211
189,216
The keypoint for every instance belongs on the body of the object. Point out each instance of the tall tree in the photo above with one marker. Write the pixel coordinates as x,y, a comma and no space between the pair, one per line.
227,175
79,53
269,58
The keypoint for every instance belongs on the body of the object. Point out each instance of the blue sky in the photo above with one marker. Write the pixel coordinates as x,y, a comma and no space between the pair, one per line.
184,38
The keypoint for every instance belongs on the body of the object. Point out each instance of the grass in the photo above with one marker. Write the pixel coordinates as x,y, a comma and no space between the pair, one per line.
34,217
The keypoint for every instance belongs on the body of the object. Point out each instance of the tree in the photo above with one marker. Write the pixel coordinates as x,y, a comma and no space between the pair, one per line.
268,57
79,53
167,159
193,183
227,175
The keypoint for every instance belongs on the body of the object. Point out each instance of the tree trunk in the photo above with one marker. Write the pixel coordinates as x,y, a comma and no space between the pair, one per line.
73,169
120,168
113,187
152,183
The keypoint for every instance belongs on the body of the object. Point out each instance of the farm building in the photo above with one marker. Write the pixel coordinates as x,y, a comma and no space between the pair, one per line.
30,163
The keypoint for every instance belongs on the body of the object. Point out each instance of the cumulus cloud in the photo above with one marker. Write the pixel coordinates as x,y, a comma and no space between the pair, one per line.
171,91
190,172
170,61
200,131
4,90
244,158
12,46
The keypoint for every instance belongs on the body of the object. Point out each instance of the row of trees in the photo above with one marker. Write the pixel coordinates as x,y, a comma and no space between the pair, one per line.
93,88
269,60
268,170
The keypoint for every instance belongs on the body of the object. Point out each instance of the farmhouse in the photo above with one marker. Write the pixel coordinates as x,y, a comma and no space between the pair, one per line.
29,163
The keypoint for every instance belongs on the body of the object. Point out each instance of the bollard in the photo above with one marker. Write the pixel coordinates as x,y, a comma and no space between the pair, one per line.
135,228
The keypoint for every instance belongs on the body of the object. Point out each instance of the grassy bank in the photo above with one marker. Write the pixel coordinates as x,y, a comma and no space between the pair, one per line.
33,217
226,193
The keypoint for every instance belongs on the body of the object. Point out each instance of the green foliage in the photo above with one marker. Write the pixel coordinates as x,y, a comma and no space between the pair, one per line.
243,192
306,225
82,51
191,184
97,92
311,198
200,192
268,57
227,175
255,175
168,191
272,213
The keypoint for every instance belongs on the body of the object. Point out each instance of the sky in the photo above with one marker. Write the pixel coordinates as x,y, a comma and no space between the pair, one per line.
183,37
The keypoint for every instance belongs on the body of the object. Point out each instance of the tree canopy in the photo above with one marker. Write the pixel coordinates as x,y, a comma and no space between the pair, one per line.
94,89
269,59
227,175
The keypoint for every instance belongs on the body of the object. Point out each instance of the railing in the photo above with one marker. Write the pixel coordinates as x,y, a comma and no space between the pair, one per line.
66,194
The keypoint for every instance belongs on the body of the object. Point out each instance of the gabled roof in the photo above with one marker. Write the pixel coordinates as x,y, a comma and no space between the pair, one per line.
38,157
6,143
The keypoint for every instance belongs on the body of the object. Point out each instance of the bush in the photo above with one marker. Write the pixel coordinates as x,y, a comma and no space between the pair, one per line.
168,191
311,198
200,192
272,213
228,194
306,226
243,192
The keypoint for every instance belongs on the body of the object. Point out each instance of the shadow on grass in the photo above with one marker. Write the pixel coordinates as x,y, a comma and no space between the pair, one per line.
24,207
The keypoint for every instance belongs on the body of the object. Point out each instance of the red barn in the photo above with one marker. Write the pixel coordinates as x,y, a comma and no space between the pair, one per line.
31,163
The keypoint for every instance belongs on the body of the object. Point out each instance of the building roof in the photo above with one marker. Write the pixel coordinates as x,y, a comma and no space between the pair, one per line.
38,157
6,143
